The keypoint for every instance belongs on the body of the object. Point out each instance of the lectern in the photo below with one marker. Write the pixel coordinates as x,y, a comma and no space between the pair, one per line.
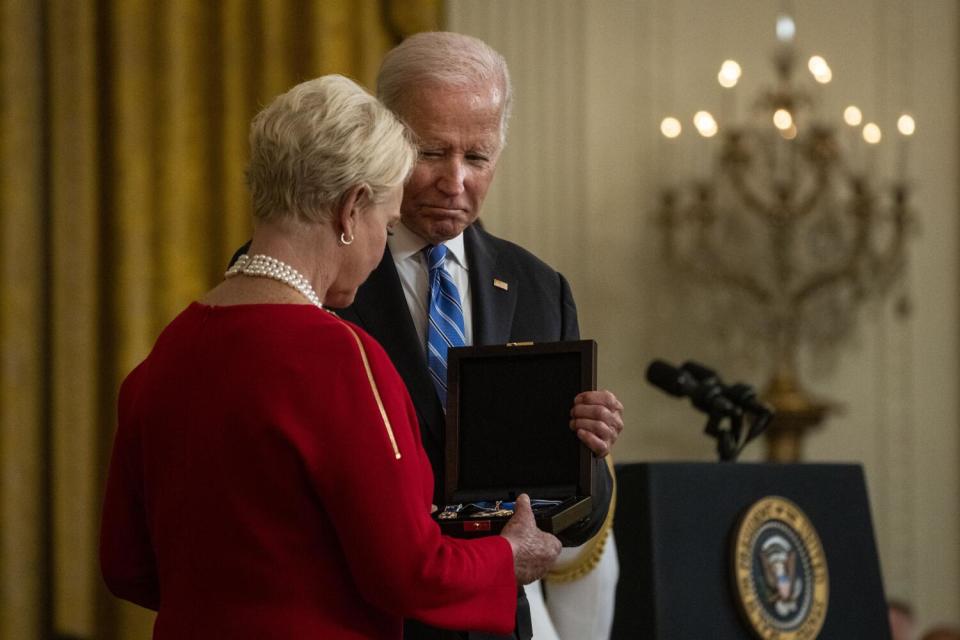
746,551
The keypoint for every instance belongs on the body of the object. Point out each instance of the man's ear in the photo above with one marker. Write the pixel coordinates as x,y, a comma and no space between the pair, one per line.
353,202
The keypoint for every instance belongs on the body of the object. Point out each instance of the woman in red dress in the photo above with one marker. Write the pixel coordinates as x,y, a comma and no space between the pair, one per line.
267,478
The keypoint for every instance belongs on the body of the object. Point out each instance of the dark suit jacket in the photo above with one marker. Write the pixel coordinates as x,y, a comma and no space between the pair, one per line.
537,306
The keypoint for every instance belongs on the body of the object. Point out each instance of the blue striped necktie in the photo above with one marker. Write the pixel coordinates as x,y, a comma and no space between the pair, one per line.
445,319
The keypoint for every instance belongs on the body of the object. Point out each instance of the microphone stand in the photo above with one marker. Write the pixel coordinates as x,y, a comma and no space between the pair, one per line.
728,437
725,406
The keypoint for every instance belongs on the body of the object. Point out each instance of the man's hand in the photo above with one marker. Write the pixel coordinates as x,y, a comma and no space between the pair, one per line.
597,417
533,550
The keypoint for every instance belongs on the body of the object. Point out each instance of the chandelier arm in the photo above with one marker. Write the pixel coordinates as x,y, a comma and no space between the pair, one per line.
888,261
706,265
717,272
823,280
743,281
848,270
883,264
754,204
746,284
806,207
810,203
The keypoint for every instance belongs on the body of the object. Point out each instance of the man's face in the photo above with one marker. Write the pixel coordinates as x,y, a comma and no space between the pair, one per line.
459,134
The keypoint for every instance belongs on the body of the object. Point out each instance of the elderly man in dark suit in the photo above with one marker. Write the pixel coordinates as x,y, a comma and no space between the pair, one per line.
454,92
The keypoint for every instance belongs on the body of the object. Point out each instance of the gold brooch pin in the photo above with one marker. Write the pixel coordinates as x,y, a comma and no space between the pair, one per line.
500,284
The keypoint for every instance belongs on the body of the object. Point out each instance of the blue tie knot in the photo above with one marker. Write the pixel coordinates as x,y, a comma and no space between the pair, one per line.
435,255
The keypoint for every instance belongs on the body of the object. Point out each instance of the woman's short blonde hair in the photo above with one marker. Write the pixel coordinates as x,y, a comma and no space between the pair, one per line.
314,143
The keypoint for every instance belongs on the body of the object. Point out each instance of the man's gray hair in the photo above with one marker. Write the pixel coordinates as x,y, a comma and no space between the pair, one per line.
447,59
314,143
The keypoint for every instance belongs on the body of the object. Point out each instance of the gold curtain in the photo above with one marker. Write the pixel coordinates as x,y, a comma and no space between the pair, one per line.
122,145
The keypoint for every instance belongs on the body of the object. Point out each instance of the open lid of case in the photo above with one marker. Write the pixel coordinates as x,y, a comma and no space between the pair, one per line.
508,421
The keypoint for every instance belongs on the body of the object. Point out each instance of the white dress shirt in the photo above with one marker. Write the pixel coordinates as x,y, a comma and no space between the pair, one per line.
406,247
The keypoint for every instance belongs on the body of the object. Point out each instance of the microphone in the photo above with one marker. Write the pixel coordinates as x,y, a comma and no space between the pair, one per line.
726,405
706,395
742,395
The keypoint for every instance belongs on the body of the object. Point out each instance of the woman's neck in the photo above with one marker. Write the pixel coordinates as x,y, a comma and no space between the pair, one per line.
309,248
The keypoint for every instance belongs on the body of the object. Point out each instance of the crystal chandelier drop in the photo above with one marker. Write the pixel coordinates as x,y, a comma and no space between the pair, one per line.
792,218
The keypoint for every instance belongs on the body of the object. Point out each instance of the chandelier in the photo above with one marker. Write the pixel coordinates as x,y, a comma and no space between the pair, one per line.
791,217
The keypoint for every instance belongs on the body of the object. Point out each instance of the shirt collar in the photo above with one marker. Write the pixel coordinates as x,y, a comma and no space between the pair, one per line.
404,243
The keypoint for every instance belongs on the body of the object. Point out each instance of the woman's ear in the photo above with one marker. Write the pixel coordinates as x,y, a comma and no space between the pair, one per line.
352,204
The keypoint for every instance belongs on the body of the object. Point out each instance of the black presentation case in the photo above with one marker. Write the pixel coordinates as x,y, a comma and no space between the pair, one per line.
508,432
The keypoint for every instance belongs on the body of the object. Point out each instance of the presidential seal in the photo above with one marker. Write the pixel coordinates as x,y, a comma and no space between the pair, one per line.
780,571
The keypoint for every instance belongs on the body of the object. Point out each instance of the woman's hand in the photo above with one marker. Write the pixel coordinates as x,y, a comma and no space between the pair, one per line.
534,551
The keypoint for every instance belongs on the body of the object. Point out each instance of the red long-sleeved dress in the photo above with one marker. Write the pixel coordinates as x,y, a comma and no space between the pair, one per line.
255,489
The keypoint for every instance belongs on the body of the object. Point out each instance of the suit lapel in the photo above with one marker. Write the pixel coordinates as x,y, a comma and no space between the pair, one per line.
382,309
493,304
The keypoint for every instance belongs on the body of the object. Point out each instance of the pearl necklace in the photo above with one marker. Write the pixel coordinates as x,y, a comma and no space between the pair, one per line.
267,267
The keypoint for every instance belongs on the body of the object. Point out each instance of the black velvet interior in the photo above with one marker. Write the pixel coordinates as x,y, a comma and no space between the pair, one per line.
514,425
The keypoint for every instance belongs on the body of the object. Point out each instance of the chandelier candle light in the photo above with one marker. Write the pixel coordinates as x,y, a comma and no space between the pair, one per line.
795,223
